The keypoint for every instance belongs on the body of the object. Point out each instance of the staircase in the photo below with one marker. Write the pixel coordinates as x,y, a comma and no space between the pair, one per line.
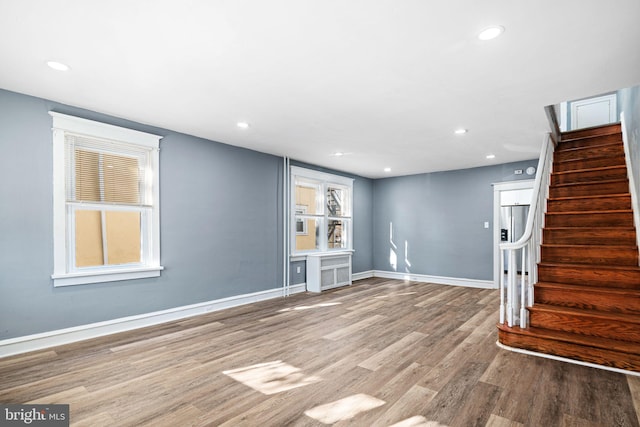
587,299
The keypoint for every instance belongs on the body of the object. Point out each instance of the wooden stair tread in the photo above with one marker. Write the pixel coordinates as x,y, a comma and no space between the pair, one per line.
607,129
605,235
596,156
587,138
586,152
593,162
615,211
613,227
606,275
568,337
573,184
601,315
599,267
590,289
597,169
590,147
594,197
572,245
588,297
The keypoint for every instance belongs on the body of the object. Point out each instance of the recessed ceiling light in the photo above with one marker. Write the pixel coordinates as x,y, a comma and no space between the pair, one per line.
387,169
338,154
460,131
59,66
242,125
491,32
491,156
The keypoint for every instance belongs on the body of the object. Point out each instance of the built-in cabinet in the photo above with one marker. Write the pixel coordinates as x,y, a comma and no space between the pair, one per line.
328,270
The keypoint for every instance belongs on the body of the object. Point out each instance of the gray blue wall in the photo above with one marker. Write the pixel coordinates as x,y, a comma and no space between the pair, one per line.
438,221
221,224
630,104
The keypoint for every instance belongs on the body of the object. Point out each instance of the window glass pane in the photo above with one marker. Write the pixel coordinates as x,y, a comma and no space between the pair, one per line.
306,198
123,237
88,238
336,201
337,233
308,241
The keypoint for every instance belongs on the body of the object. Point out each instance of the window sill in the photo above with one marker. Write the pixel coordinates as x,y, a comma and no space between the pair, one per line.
302,256
85,278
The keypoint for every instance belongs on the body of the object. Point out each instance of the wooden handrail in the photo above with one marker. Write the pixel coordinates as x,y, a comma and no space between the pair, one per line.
552,117
529,244
534,202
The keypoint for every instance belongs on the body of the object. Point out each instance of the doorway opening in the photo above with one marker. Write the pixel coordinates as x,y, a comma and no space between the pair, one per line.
511,201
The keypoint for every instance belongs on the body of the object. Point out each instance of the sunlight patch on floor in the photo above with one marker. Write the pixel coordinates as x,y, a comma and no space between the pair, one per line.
343,409
271,377
417,421
308,307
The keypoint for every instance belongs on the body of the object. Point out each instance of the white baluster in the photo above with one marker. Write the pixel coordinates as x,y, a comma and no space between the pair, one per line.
502,290
523,293
532,274
511,290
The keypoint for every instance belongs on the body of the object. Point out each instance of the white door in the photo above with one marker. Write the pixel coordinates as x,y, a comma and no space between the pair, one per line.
600,110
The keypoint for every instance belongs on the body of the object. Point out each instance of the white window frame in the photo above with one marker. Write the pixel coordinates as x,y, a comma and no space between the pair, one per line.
324,180
63,231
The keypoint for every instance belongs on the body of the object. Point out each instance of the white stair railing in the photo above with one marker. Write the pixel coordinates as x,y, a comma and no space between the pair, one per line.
515,299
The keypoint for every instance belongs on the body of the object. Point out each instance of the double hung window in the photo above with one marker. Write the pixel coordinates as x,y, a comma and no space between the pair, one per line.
321,211
106,221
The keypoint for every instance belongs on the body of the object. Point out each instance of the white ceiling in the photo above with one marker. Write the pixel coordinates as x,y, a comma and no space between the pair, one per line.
385,81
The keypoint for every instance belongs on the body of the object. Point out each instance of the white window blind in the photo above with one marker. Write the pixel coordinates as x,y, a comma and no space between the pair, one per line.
102,171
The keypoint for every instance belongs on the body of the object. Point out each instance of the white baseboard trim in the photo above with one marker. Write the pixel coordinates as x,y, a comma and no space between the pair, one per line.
362,275
455,281
564,359
18,345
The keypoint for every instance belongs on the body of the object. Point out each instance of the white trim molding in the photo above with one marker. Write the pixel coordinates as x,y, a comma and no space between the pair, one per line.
632,182
564,359
12,346
423,278
362,275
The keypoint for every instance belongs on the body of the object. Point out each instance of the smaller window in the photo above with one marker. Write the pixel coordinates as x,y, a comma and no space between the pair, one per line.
321,211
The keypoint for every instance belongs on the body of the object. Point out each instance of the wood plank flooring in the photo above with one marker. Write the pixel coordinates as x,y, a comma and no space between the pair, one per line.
378,353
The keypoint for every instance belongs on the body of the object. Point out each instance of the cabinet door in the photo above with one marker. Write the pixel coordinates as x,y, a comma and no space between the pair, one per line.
343,275
327,278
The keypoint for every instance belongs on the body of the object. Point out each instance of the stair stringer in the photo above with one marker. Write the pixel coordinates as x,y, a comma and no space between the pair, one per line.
632,183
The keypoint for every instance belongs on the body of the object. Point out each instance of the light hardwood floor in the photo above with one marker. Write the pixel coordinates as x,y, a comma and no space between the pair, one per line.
378,353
